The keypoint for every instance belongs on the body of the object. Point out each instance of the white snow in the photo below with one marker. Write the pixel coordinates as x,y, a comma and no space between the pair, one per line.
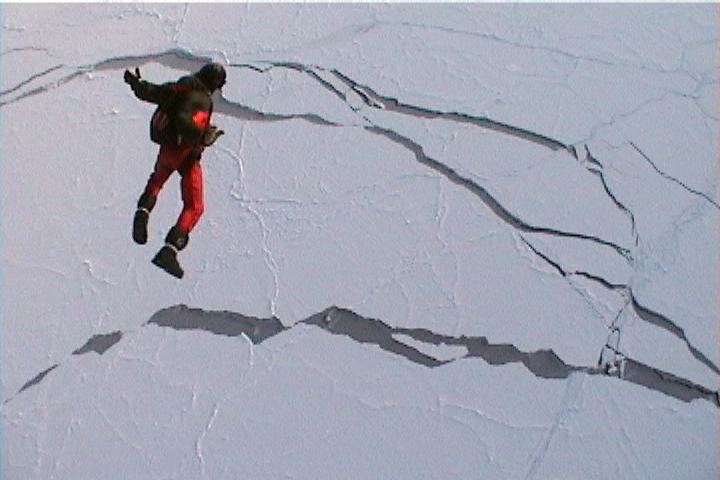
502,181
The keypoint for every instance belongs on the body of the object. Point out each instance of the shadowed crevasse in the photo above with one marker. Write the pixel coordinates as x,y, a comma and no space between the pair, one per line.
228,324
597,169
183,60
37,378
643,313
176,59
99,343
373,99
495,206
338,321
673,179
543,363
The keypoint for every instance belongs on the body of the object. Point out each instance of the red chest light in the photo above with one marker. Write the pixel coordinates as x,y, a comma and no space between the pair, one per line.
201,119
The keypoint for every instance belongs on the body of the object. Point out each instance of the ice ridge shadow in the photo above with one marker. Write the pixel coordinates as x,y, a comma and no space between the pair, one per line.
339,321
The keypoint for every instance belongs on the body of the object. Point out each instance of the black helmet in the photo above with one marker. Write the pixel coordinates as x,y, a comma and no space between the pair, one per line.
212,76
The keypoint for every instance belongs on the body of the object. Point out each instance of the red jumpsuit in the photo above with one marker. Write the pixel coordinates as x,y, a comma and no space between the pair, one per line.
170,159
185,159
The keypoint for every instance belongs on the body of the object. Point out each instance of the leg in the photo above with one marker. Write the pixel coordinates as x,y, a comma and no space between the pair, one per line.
142,215
148,198
177,238
192,195
168,160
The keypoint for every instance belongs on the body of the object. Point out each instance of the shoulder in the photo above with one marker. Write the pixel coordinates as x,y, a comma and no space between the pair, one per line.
190,82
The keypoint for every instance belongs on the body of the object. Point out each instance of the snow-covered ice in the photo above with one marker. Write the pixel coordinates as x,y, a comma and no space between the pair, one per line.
440,241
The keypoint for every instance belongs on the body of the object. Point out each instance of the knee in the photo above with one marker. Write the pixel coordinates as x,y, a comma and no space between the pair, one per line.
199,210
195,208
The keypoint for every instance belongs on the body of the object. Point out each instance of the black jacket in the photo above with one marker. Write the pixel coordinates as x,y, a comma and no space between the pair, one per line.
183,113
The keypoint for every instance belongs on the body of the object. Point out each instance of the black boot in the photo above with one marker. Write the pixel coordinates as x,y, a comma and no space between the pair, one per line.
166,258
142,215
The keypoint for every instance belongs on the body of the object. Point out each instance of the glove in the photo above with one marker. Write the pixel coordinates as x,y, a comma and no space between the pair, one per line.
132,79
211,135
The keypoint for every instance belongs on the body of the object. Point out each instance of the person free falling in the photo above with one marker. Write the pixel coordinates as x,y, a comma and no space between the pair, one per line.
181,126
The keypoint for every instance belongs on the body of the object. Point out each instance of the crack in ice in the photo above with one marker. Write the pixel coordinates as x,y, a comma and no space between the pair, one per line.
339,321
543,363
653,318
30,80
177,59
600,173
673,179
486,197
382,102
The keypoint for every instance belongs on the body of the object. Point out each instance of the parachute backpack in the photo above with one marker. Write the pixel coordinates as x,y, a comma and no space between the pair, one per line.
162,130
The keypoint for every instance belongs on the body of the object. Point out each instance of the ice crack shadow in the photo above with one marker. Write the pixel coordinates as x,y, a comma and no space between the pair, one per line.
480,192
673,179
343,322
184,60
374,100
180,59
175,58
654,318
597,169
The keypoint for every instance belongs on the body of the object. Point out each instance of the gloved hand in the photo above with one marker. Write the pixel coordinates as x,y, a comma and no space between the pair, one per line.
211,135
132,79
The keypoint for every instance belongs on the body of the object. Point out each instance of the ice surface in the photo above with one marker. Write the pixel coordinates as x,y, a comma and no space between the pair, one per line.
188,404
485,235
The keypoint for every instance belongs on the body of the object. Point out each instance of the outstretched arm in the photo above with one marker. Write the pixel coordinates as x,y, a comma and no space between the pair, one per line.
146,91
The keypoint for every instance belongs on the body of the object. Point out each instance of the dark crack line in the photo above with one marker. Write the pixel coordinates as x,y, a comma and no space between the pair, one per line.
542,363
97,343
314,75
659,320
665,382
42,89
307,70
485,196
24,49
567,274
36,379
311,71
242,112
673,179
608,365
100,343
299,67
372,99
182,60
643,313
30,80
601,175
176,59
382,102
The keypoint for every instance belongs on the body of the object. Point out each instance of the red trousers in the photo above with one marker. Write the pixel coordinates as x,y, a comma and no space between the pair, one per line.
178,158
